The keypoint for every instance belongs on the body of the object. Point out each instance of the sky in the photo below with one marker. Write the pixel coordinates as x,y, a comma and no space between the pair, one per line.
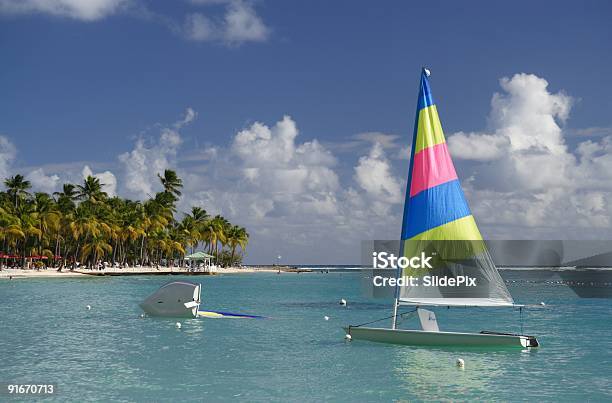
294,118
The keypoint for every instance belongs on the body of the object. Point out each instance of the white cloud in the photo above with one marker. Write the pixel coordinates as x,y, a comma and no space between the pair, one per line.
198,27
270,160
7,156
107,179
42,182
190,116
526,142
86,10
383,139
288,193
373,174
522,174
594,131
239,24
243,24
147,159
478,147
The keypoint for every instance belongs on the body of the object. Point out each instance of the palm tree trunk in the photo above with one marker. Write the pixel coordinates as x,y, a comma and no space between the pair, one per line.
23,262
142,250
114,251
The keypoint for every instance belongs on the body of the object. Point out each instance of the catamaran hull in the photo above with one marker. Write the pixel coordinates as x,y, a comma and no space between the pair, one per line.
424,338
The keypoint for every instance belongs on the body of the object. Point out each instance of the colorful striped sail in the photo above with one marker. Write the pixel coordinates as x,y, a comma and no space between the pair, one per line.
437,218
435,207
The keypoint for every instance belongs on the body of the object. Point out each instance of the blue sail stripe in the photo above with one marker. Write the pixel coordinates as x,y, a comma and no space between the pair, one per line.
425,97
434,207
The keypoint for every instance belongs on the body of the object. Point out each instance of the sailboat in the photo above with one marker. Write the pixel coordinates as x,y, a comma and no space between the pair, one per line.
437,220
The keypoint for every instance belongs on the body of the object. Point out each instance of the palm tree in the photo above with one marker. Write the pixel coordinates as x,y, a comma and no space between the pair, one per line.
171,182
198,214
94,248
17,187
81,223
91,190
213,233
47,215
237,236
28,223
67,197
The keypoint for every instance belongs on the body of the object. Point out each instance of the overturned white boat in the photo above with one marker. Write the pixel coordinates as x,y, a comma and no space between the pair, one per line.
437,221
180,299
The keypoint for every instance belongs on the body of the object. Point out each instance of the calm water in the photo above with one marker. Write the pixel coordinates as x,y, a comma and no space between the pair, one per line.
107,353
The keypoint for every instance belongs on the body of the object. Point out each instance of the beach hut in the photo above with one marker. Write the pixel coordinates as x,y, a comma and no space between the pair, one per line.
200,257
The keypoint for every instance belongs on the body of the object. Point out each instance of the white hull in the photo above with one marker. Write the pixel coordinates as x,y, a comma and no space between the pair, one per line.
425,338
179,299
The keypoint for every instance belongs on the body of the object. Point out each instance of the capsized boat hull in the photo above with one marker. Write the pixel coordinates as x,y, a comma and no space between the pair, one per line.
177,299
425,338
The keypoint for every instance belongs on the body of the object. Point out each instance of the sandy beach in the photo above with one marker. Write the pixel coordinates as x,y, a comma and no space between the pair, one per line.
131,271
19,273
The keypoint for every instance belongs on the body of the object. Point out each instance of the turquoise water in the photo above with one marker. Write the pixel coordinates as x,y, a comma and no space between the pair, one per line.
109,353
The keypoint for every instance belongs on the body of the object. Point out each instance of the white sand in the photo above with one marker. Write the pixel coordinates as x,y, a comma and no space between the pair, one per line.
18,273
52,272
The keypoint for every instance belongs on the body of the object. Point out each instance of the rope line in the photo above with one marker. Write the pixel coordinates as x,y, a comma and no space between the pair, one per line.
388,317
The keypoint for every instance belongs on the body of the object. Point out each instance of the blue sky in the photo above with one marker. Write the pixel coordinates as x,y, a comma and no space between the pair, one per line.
82,86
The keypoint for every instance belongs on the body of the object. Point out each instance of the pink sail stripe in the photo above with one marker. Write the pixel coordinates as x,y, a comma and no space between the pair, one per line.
432,167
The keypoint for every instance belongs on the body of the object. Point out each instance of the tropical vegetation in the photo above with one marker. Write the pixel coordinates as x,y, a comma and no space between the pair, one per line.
81,223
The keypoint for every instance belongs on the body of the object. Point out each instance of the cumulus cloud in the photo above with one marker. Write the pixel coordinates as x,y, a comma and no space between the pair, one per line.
7,156
239,24
373,174
107,180
149,158
478,147
521,171
271,162
85,10
42,182
289,192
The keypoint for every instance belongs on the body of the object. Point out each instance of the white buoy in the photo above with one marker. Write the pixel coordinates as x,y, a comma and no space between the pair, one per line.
542,303
326,317
178,325
460,363
348,337
342,302
88,307
142,315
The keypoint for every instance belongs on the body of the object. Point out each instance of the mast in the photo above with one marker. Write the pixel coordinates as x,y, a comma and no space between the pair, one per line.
424,74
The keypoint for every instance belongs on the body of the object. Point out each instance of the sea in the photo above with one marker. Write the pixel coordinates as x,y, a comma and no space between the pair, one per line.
110,353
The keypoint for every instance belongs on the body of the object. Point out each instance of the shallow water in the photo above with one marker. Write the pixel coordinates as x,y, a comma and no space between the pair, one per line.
107,353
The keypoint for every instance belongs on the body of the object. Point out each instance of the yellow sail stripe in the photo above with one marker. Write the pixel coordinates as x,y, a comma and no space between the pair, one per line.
462,229
429,130
439,240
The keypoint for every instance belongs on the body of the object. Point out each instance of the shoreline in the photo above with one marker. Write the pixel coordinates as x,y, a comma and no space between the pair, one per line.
143,271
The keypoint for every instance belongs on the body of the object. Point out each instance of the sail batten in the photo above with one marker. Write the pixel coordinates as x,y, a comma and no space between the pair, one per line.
437,218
